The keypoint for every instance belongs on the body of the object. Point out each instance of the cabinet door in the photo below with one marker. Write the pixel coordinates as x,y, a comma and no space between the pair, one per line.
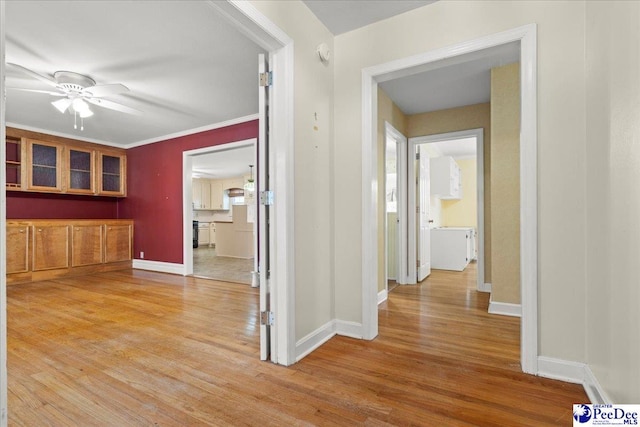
17,249
44,166
80,171
206,194
112,175
203,236
13,161
118,239
86,245
50,247
196,192
217,195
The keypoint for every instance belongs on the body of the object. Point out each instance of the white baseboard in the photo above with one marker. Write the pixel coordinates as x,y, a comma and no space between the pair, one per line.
574,372
505,308
315,339
160,267
349,329
593,388
382,296
563,370
485,287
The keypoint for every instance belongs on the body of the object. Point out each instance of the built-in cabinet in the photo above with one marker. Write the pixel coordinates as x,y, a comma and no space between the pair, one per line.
446,178
210,194
44,163
45,249
452,248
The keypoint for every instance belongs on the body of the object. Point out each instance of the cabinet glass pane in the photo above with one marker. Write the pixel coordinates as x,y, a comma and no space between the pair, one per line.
111,165
80,180
44,176
111,183
44,155
13,151
80,160
13,175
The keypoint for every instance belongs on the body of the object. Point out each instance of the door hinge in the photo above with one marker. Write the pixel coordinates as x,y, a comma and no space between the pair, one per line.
266,79
267,318
266,198
417,156
417,263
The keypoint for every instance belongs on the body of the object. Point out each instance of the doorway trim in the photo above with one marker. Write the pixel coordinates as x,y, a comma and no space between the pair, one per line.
187,193
371,76
478,134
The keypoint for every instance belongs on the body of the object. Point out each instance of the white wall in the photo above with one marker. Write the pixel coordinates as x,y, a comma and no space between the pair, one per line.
561,153
313,131
613,197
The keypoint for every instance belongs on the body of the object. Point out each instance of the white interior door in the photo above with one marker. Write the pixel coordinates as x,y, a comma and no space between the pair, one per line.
424,202
264,207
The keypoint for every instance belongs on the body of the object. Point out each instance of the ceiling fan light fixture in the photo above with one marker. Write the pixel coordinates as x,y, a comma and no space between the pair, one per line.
62,104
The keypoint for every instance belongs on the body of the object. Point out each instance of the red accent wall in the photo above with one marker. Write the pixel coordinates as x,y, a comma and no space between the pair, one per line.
154,189
23,205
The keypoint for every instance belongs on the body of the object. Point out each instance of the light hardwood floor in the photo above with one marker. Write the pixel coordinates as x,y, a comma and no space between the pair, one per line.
136,348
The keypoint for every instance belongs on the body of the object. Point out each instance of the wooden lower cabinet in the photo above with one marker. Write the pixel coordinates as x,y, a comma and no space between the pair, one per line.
50,247
118,243
46,249
87,245
18,248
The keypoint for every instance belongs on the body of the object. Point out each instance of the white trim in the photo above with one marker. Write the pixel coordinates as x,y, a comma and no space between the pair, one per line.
246,18
193,131
486,287
349,329
382,296
478,134
505,308
526,35
574,372
3,232
594,390
187,194
158,266
563,370
315,339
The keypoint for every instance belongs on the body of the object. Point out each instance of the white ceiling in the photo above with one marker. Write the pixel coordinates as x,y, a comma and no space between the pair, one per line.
185,66
341,16
224,164
457,148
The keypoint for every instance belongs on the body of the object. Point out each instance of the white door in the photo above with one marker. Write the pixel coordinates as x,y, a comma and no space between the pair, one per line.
264,208
424,232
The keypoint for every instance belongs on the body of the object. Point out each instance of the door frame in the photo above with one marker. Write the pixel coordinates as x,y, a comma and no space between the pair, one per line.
187,194
371,76
478,134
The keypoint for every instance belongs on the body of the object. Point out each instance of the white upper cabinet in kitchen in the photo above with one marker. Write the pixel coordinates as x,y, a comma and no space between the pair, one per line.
446,179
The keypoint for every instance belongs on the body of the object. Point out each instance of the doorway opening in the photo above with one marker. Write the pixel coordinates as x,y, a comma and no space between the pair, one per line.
224,221
526,38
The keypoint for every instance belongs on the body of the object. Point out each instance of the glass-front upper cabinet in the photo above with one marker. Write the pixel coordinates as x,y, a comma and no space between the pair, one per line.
81,172
112,174
13,162
44,170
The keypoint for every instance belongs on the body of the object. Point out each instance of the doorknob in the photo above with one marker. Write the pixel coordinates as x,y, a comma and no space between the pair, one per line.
430,221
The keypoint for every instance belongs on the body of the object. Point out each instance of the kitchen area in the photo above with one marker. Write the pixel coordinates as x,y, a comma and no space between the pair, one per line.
224,216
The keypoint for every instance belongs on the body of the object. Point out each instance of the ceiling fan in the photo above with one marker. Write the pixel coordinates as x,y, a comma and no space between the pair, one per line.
76,92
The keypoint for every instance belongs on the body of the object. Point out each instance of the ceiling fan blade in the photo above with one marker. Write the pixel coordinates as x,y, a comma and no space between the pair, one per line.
33,74
62,104
113,106
37,91
105,90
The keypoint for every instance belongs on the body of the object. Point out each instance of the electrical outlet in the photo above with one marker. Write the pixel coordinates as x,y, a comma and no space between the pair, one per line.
141,255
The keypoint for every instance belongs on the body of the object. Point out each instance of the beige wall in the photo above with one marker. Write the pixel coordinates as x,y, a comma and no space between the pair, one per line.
456,119
560,131
314,162
388,111
463,212
505,183
613,197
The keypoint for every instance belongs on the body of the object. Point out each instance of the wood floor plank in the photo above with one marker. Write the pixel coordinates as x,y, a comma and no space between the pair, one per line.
137,348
